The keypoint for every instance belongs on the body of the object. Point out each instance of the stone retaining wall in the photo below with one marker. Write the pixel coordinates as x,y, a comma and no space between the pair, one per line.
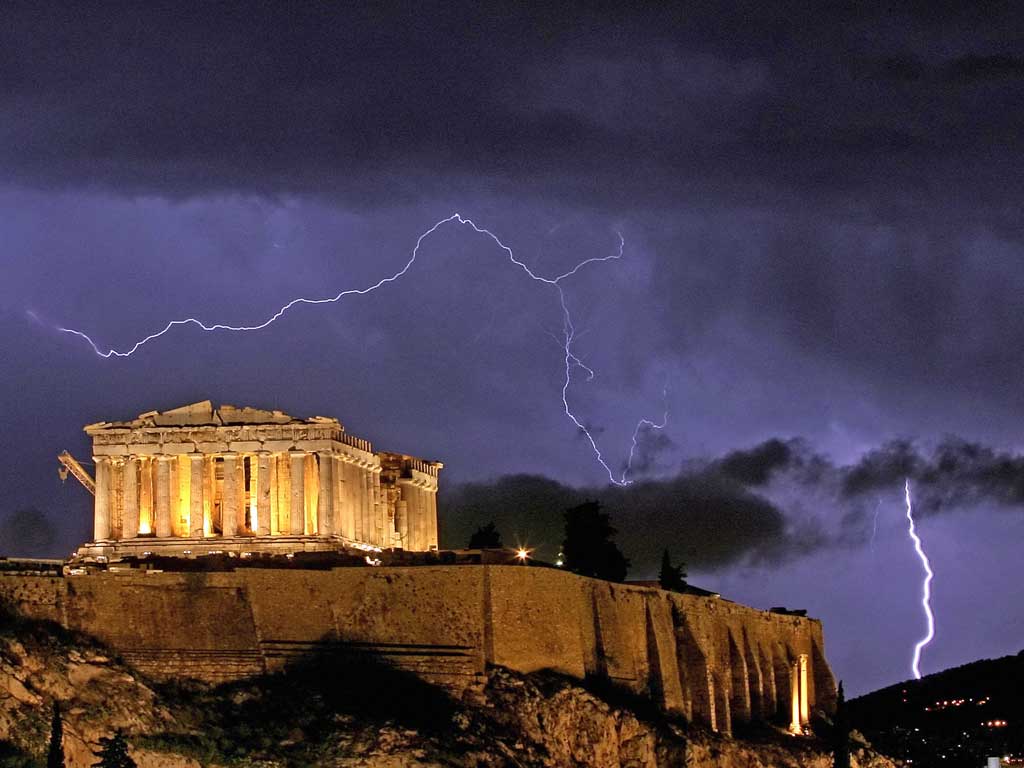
709,659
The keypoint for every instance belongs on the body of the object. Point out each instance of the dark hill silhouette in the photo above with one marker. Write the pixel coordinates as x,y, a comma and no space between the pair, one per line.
953,718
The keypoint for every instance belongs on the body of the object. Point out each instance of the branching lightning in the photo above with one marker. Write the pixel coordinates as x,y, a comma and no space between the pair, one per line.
926,593
568,329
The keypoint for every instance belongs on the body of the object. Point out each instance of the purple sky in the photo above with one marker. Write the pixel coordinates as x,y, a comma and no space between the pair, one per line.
822,256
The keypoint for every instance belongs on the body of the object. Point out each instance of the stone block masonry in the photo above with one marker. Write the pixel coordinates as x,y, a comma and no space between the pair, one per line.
708,659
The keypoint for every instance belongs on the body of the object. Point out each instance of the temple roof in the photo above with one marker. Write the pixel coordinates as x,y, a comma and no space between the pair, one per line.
204,414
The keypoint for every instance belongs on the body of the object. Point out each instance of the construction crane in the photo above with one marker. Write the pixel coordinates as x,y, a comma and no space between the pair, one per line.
69,465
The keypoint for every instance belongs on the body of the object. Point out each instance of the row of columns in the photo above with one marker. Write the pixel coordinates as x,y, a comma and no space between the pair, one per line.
347,499
416,515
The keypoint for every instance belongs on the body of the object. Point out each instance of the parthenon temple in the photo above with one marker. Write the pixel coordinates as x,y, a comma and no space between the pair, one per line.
198,479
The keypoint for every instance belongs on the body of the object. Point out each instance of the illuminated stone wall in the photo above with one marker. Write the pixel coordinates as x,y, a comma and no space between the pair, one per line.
711,660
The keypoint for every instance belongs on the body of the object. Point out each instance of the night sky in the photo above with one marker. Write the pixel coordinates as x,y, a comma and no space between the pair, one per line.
822,277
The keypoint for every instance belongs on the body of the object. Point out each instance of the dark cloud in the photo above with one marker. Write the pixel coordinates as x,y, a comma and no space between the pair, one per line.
703,517
956,474
756,465
632,108
719,512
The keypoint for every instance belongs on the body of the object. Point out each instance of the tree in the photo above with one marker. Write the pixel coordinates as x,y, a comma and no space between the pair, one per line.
588,546
671,577
113,753
55,757
841,732
486,537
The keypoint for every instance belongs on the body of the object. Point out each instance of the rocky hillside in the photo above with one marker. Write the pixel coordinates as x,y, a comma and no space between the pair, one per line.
334,712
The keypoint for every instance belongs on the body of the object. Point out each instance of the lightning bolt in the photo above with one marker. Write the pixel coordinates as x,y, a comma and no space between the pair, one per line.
874,526
926,593
572,362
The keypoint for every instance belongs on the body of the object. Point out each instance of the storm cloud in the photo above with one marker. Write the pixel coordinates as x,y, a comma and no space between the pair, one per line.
702,518
750,104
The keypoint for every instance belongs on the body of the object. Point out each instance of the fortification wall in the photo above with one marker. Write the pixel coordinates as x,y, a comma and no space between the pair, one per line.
708,659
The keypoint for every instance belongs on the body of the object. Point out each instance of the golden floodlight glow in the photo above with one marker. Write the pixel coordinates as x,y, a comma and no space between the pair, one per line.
522,554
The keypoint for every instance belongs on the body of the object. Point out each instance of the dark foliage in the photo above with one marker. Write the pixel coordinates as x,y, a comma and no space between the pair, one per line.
55,755
113,753
588,546
671,577
485,537
841,732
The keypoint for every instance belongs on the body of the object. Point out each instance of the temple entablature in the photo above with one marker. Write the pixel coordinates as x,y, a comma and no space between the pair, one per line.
247,479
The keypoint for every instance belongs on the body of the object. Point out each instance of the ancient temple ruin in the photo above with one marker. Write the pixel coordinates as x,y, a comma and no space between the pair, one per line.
198,479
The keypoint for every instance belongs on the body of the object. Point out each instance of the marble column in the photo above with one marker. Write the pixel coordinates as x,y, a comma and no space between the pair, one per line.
402,518
337,499
263,494
101,514
162,492
130,487
432,518
245,505
324,502
195,501
805,709
794,697
297,508
356,494
365,497
230,503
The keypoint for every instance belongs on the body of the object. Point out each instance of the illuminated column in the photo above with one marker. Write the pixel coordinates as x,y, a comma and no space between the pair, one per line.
380,521
246,505
337,497
402,517
101,515
275,492
130,488
432,518
162,492
356,494
366,505
348,507
794,695
230,506
353,510
116,497
325,499
297,509
196,488
805,708
412,539
263,494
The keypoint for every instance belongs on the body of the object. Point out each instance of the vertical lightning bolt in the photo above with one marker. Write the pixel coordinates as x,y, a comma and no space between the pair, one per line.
572,362
926,587
874,526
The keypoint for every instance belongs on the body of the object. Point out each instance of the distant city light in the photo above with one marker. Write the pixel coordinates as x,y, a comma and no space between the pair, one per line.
522,555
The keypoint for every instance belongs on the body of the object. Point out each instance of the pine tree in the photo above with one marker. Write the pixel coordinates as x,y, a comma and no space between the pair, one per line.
588,548
671,577
486,537
113,753
55,757
841,732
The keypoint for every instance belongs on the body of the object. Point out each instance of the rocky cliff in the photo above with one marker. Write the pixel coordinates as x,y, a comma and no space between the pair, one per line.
325,713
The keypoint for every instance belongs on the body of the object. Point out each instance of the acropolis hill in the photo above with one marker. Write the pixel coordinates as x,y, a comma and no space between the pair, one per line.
235,481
